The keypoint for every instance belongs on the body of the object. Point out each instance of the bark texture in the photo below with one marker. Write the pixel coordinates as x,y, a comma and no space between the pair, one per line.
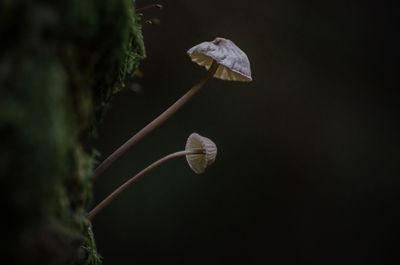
60,64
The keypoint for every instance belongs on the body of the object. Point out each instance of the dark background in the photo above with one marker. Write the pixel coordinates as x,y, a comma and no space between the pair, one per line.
307,170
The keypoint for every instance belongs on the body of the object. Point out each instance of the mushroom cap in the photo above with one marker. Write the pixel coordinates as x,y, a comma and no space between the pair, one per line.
234,64
199,162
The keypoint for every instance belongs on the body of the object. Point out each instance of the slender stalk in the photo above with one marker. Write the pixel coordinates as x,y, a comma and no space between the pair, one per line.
112,196
155,123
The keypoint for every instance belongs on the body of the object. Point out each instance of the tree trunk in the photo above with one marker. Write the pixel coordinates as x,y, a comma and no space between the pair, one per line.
60,64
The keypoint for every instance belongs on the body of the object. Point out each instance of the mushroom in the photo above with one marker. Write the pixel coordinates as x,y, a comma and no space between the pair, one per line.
234,64
222,58
200,152
199,162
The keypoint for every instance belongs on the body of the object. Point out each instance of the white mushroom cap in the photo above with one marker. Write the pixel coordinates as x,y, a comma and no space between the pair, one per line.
234,64
199,162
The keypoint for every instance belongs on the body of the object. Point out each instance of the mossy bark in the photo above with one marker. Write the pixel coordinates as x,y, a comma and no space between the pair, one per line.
60,64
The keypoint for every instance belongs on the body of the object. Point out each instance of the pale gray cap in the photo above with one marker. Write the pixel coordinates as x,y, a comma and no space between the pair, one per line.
199,162
234,64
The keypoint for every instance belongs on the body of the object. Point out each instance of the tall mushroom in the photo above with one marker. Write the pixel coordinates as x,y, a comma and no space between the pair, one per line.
234,64
223,60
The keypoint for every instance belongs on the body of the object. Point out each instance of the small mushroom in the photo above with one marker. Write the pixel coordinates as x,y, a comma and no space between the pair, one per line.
234,64
200,152
199,162
222,58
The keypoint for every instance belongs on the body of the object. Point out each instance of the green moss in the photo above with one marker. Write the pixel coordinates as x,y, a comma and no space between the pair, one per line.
60,65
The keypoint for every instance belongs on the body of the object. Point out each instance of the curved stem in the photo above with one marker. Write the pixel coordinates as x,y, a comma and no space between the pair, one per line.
155,123
112,196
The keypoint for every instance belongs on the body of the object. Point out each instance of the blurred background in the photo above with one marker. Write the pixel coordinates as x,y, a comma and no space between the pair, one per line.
308,163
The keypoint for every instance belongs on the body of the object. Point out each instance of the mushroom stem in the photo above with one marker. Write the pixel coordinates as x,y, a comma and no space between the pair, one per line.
155,123
112,196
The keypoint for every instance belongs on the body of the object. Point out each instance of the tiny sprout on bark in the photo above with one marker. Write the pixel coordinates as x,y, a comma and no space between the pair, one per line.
148,7
200,152
153,21
223,60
